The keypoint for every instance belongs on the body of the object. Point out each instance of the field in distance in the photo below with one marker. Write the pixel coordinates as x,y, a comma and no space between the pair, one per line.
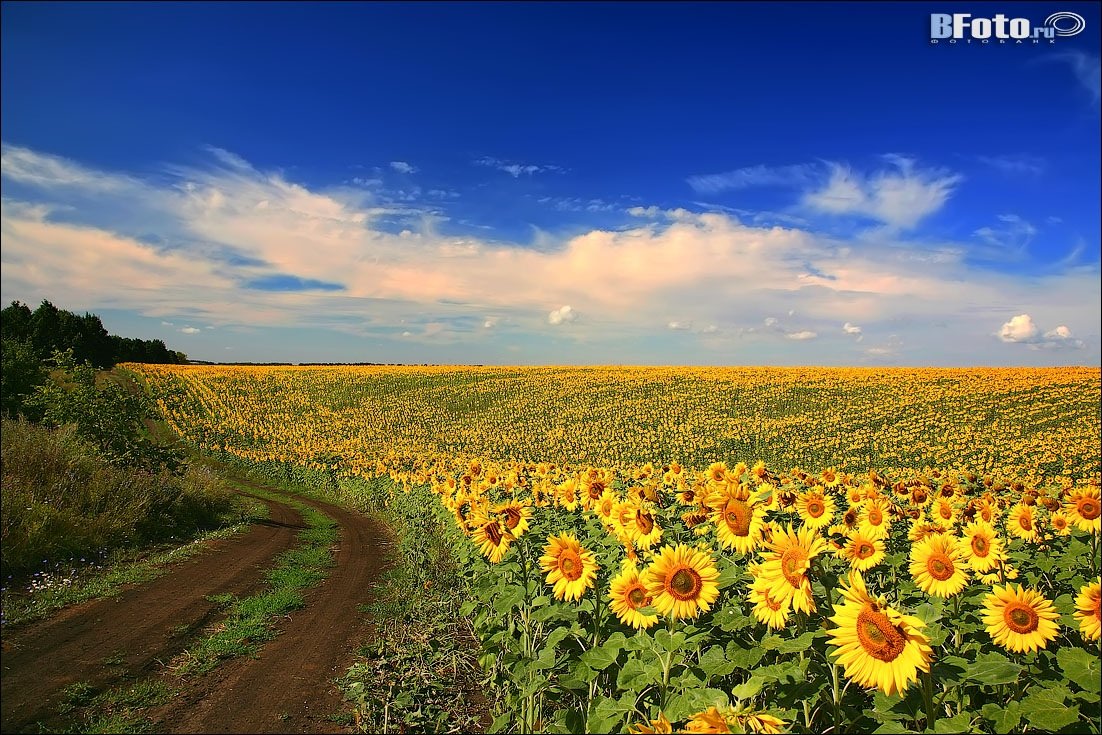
1032,424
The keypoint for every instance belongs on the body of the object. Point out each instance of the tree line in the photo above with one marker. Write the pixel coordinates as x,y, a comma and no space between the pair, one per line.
32,340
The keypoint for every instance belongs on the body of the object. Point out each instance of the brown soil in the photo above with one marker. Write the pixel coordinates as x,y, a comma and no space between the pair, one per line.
288,688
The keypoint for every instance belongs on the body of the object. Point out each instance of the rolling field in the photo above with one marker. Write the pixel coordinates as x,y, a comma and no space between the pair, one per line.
726,549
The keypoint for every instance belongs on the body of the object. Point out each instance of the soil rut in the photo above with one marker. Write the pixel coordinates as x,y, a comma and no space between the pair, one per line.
289,687
105,640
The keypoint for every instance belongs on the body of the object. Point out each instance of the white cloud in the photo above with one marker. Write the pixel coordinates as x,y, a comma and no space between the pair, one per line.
1020,163
706,268
1087,70
1021,329
515,169
562,315
899,197
490,322
679,326
851,328
190,330
752,176
650,212
1010,238
402,167
801,335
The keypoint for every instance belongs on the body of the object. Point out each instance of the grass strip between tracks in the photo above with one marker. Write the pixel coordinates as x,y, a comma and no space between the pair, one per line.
249,623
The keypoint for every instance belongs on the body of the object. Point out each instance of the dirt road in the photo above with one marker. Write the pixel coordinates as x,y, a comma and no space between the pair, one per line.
288,688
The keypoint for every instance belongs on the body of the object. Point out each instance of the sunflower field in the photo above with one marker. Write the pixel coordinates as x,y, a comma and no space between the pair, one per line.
728,550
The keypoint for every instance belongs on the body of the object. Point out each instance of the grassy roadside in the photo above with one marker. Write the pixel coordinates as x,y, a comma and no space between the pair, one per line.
418,671
248,623
50,593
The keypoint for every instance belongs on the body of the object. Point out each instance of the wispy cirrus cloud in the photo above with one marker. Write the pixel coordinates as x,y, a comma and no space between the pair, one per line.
1015,163
754,176
517,169
899,196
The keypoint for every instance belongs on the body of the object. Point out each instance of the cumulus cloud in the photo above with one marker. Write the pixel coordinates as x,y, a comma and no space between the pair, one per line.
648,212
402,167
851,329
562,315
899,197
802,334
1021,329
679,326
190,330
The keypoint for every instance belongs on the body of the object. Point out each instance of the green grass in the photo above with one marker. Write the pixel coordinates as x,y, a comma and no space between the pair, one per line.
62,501
122,569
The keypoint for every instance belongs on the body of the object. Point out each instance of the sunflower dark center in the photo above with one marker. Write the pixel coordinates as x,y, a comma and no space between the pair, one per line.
940,567
737,516
793,563
865,550
570,564
645,522
1020,617
1089,508
685,584
815,508
512,517
980,546
879,638
637,597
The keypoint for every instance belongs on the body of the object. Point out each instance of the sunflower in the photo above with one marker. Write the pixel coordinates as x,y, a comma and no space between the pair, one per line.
643,528
570,568
862,552
661,726
493,539
1087,611
628,595
738,521
982,546
786,568
682,581
815,508
943,512
1059,523
606,505
770,610
874,520
566,495
1019,620
515,516
937,567
733,719
1022,522
1084,509
877,646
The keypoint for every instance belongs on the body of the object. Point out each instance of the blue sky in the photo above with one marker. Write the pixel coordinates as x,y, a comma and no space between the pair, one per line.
650,183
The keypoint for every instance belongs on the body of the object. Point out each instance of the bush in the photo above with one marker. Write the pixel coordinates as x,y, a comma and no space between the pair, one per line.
61,499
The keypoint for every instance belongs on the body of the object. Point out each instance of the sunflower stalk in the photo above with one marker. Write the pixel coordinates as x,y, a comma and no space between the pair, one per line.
928,698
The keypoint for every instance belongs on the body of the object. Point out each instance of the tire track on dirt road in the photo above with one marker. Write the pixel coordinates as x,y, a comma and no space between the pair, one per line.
105,640
289,687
